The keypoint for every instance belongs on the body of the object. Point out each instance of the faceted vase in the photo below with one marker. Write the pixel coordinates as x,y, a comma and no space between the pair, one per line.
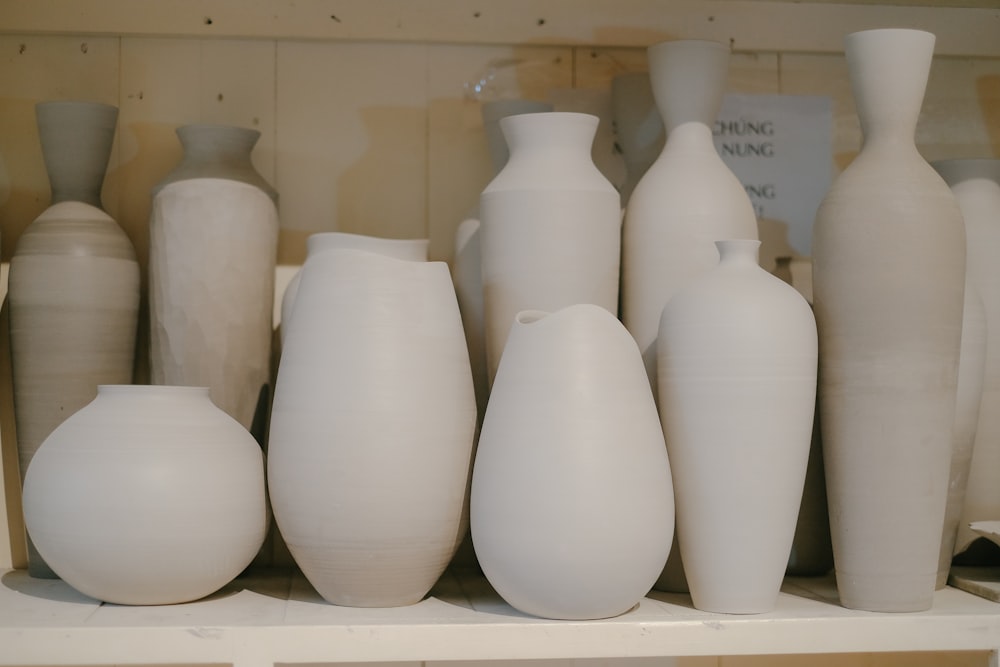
889,263
149,495
213,248
74,286
572,506
737,359
372,427
551,225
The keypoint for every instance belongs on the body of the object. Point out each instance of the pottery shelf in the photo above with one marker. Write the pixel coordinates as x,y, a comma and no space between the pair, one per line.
275,617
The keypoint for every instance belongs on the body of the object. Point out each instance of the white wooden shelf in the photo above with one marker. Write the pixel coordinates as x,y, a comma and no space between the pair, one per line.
277,617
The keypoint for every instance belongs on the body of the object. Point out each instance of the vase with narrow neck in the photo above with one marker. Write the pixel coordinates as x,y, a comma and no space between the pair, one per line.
638,127
74,286
889,283
493,112
551,225
976,185
213,248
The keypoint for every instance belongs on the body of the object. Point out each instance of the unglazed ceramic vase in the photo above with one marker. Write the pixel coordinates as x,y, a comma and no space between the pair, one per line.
372,427
976,185
572,503
638,127
493,111
551,225
688,198
212,251
148,495
737,359
74,286
889,281
414,250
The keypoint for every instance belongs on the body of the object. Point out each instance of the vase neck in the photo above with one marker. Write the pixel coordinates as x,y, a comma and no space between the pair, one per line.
550,135
689,79
691,135
738,252
76,139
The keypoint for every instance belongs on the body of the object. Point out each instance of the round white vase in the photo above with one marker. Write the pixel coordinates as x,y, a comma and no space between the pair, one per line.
372,427
737,359
976,185
889,280
551,225
148,495
572,506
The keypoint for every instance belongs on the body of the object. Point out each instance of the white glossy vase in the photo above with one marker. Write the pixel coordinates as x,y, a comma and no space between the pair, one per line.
572,506
688,198
212,252
372,427
74,286
551,225
976,185
737,359
889,277
148,495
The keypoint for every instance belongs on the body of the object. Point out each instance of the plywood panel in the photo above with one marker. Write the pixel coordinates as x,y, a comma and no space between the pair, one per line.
351,123
459,78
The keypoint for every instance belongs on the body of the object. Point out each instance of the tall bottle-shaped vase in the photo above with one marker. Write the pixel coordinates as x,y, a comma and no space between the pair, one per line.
889,283
976,185
372,427
551,225
737,359
74,285
212,251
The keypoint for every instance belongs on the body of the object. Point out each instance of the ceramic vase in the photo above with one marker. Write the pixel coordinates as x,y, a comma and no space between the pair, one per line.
737,359
688,198
372,427
74,285
976,185
639,131
212,252
493,111
889,277
148,495
551,225
572,504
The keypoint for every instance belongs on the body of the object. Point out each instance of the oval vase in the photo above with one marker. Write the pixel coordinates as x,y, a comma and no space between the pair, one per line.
551,225
737,358
74,286
213,248
148,495
372,427
572,504
889,265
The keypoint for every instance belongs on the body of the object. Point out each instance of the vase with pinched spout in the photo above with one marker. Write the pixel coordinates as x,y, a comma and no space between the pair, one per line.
889,292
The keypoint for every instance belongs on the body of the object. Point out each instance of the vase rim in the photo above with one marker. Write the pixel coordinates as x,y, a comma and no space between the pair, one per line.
218,127
50,104
545,116
889,31
704,43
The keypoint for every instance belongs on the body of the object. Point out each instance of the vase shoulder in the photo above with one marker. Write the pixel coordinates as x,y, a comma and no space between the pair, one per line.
77,229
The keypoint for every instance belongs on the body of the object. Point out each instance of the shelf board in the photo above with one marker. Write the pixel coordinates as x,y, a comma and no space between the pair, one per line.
277,617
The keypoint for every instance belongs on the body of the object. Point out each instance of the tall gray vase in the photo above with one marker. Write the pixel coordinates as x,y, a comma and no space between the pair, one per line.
74,286
213,249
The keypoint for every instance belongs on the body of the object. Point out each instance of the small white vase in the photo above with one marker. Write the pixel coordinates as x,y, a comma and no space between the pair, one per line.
572,504
551,225
147,495
372,427
737,358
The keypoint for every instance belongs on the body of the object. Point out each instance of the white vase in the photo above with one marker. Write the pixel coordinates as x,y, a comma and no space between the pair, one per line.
687,199
737,358
148,495
572,504
372,427
889,279
212,252
414,250
493,111
551,225
976,185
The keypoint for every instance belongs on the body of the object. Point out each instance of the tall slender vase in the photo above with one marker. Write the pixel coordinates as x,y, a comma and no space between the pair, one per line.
212,251
889,263
551,225
737,357
976,185
638,127
572,500
74,285
372,427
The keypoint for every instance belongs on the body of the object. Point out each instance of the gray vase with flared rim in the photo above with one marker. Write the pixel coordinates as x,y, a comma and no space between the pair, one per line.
76,140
